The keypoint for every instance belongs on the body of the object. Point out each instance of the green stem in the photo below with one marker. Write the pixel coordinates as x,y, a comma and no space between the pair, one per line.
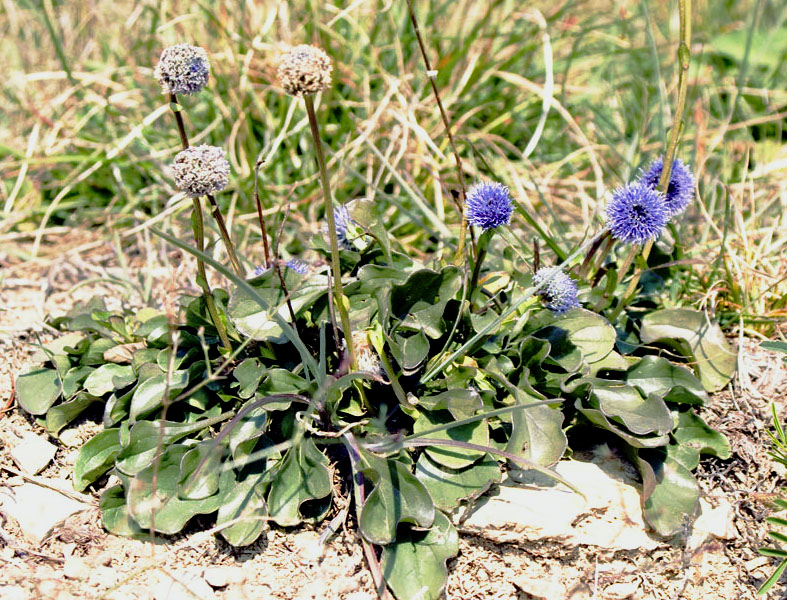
198,227
202,279
481,249
338,291
684,61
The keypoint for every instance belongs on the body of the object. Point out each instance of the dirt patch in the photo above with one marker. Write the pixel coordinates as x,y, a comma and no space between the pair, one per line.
80,560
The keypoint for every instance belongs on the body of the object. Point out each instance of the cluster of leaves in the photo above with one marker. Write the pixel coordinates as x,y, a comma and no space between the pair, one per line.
463,388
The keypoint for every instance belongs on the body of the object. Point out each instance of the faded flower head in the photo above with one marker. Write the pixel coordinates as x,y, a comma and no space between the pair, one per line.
366,355
297,265
488,205
305,70
636,213
680,191
201,170
560,293
183,69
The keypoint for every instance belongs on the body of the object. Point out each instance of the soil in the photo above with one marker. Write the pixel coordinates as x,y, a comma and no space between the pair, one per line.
80,560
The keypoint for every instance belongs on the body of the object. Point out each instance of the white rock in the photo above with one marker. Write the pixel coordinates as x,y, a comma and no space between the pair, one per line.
713,522
37,509
70,438
540,588
103,577
610,515
181,585
33,453
219,577
75,568
620,591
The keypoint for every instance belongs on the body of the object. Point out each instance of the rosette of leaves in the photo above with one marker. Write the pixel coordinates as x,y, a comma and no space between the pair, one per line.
465,392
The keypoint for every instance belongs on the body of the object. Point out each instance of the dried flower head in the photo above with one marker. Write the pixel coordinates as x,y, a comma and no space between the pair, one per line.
680,191
636,213
297,265
488,205
366,355
201,170
305,70
183,69
560,292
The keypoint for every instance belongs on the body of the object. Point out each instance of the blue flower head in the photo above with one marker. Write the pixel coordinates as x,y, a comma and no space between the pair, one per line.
680,191
560,293
636,214
297,265
345,227
488,205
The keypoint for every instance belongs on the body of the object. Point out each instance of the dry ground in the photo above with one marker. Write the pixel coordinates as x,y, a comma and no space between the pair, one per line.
81,561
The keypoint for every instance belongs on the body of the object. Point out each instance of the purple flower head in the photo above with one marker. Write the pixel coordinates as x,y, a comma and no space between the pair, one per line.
259,270
183,69
636,214
344,223
488,205
560,293
680,191
297,265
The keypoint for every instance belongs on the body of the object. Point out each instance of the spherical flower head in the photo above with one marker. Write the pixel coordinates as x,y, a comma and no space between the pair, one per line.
305,70
636,214
680,191
259,270
488,205
560,293
344,225
201,170
297,265
183,69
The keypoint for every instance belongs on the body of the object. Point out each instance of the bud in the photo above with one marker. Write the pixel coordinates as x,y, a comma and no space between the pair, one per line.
201,170
183,69
305,70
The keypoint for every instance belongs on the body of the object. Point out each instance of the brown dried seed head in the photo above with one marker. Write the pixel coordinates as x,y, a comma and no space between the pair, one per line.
201,170
305,70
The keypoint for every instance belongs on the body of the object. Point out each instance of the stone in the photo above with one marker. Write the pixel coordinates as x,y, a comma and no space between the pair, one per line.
219,576
33,453
181,585
75,568
38,509
610,515
70,438
620,591
713,521
103,577
540,588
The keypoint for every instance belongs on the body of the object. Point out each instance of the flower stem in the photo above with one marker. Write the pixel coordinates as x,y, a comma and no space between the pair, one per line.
338,291
430,73
684,61
481,249
184,141
198,227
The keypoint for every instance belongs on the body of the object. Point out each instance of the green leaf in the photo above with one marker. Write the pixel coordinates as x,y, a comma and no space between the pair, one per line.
398,497
96,457
108,378
599,419
585,331
72,381
693,432
37,390
250,427
249,373
775,576
766,46
244,505
670,494
61,415
149,396
197,485
707,347
454,458
256,321
410,351
624,403
656,375
114,514
420,301
461,403
143,440
302,475
414,566
449,487
161,508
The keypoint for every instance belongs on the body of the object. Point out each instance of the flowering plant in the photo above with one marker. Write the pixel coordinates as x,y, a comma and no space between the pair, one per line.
410,384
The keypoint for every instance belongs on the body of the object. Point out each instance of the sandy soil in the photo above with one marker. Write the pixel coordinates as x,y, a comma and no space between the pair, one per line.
79,560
